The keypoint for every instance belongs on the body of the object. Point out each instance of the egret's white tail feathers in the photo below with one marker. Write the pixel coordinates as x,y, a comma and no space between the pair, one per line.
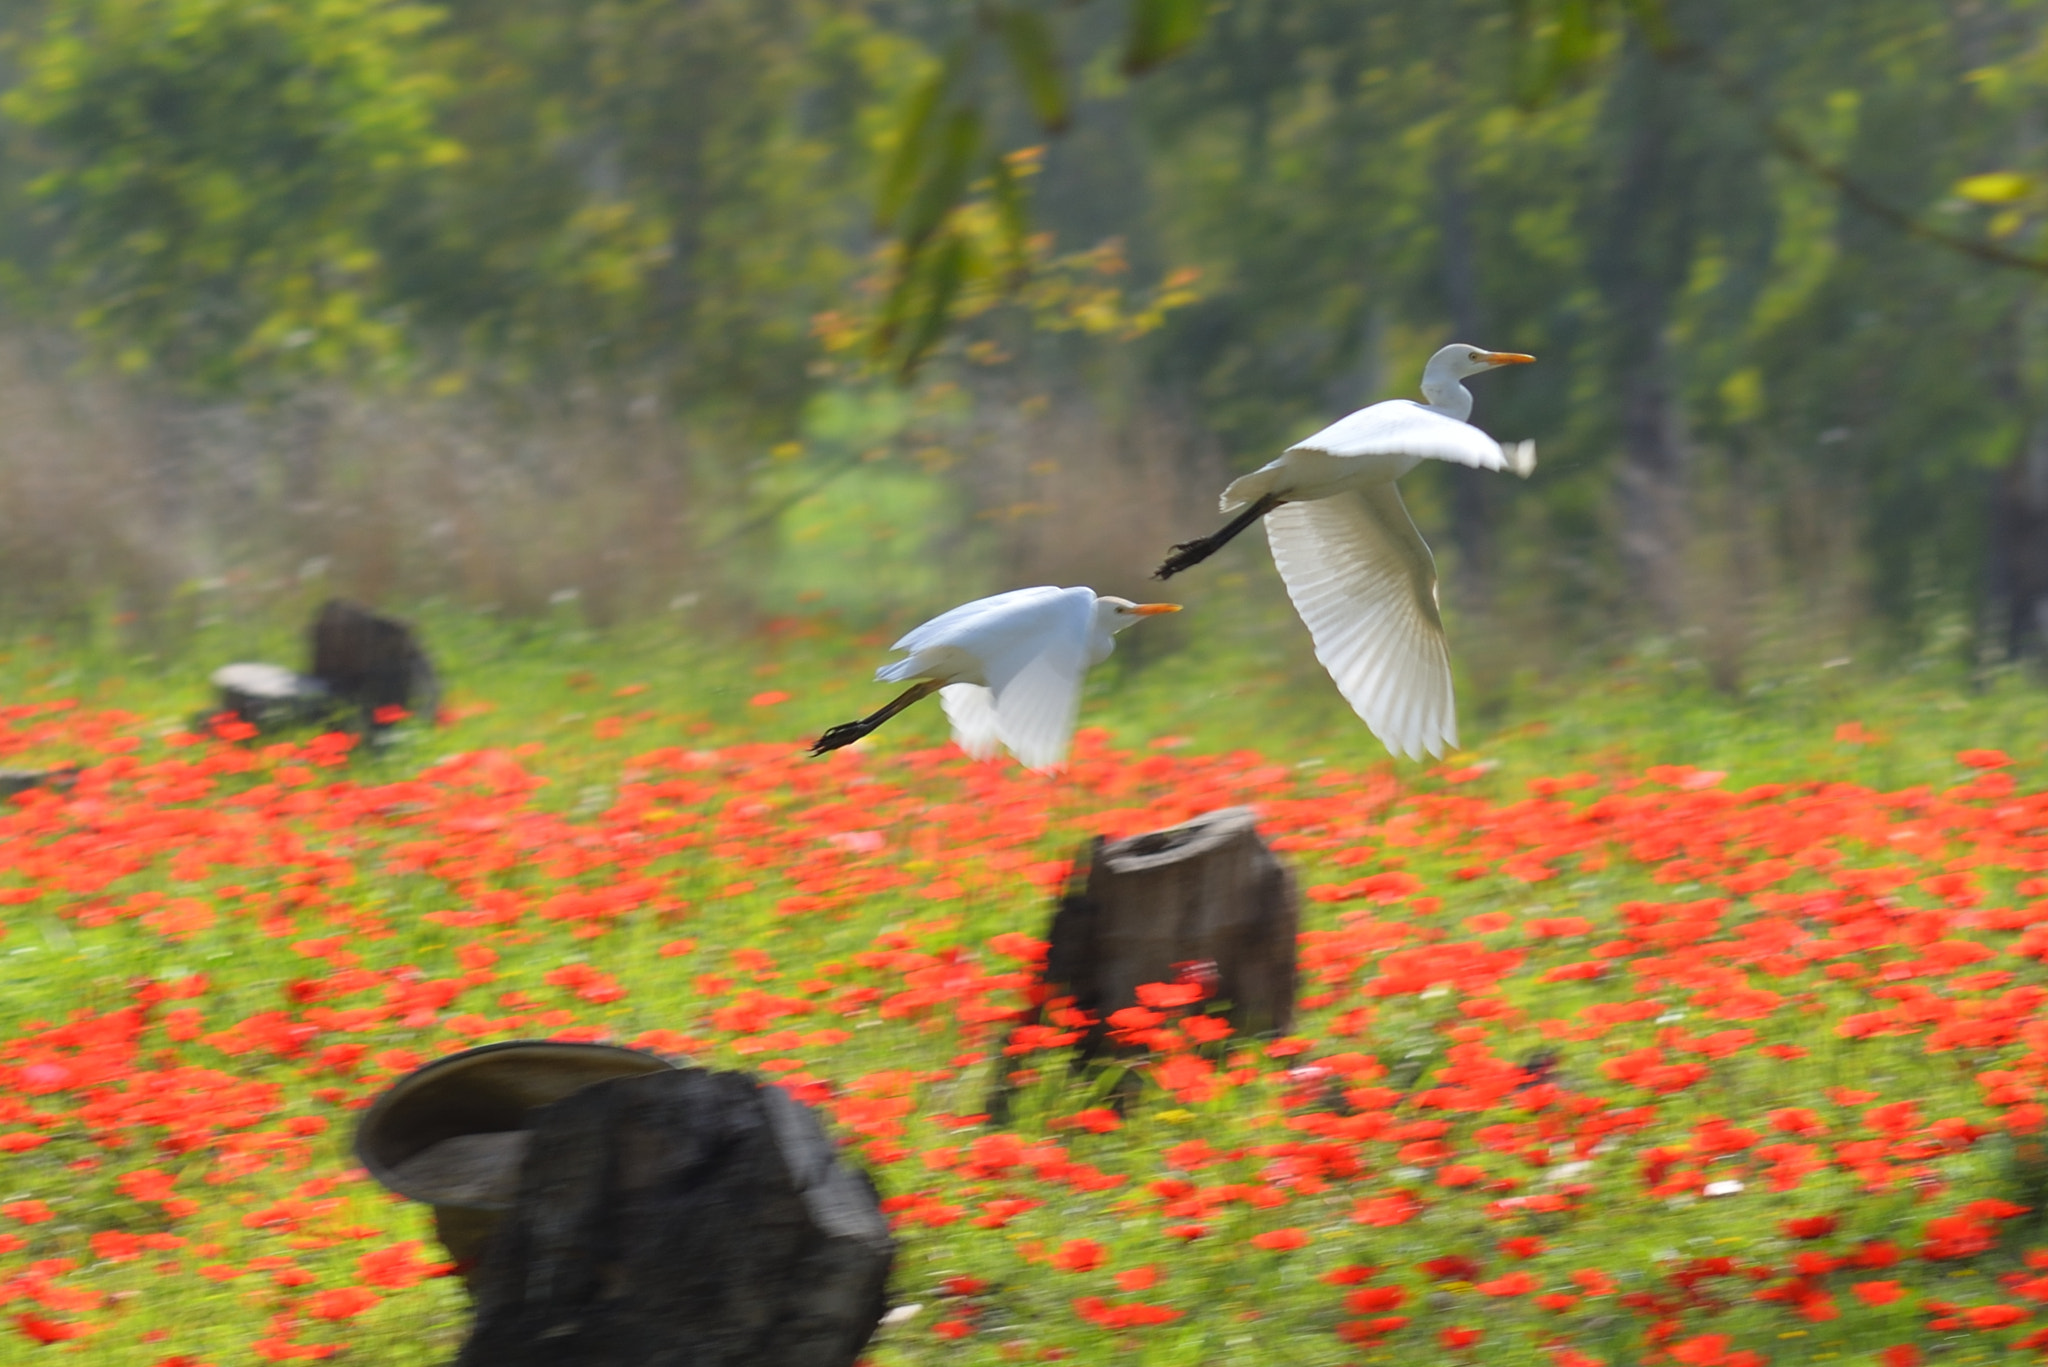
972,710
1248,489
1521,457
1363,581
896,671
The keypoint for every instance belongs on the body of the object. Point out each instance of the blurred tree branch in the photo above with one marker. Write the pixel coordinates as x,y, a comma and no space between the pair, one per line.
948,152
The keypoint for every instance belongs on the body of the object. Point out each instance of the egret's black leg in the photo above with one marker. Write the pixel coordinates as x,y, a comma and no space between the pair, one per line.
1191,553
847,732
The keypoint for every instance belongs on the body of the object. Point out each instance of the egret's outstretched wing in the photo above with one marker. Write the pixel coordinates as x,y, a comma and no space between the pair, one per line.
956,625
972,710
1400,427
1031,646
1036,676
1363,581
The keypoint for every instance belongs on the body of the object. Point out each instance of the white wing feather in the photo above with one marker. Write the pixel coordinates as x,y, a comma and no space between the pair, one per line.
1364,583
972,710
1035,714
956,625
1032,647
1402,427
1373,446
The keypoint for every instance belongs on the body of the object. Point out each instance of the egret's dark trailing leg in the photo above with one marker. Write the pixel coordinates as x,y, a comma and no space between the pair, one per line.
1191,553
847,732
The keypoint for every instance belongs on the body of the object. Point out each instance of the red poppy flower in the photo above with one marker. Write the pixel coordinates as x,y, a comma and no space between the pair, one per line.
341,1303
1281,1240
1079,1255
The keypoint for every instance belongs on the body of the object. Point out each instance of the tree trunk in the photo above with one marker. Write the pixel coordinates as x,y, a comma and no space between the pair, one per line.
1207,892
1644,256
2019,548
681,1219
1472,491
1654,522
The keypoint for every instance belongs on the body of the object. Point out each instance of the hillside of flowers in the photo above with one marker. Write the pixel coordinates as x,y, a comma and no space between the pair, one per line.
1608,1067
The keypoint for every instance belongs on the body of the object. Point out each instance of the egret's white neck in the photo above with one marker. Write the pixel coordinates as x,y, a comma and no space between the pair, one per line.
1442,391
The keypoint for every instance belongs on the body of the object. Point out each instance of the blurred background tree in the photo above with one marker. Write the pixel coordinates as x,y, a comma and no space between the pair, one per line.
214,172
756,300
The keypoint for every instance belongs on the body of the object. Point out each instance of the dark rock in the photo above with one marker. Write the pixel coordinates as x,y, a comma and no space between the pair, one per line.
681,1219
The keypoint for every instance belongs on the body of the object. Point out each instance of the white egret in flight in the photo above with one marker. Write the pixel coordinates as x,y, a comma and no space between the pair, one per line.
1359,573
1007,669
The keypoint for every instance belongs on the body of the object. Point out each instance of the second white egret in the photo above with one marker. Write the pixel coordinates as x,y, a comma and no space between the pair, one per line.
1007,669
1359,572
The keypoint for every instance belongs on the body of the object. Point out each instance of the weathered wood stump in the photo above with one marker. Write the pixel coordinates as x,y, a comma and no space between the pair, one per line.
364,669
453,1132
681,1219
1205,892
372,662
14,781
270,697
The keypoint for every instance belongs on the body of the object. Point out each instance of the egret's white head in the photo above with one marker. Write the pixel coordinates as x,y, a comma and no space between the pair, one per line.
1440,378
1458,360
1114,614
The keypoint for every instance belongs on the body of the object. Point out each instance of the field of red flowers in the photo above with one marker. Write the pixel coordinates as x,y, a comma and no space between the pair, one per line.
1628,1066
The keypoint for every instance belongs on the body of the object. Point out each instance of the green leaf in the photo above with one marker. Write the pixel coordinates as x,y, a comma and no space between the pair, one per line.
1160,30
944,182
1556,42
945,271
1576,40
914,139
1995,187
1036,57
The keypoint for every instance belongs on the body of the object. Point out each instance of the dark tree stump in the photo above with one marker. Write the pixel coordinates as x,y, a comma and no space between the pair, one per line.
1206,891
362,664
14,781
453,1132
271,697
681,1219
372,662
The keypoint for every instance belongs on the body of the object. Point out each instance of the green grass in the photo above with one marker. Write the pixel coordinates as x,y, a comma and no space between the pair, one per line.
1234,673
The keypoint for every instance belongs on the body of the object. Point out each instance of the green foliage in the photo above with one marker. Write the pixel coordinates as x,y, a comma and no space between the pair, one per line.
1028,37
1161,30
1791,231
948,145
658,194
215,169
1558,42
244,193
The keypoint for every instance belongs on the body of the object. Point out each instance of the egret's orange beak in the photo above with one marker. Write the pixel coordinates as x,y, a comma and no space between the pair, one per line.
1505,358
1153,609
